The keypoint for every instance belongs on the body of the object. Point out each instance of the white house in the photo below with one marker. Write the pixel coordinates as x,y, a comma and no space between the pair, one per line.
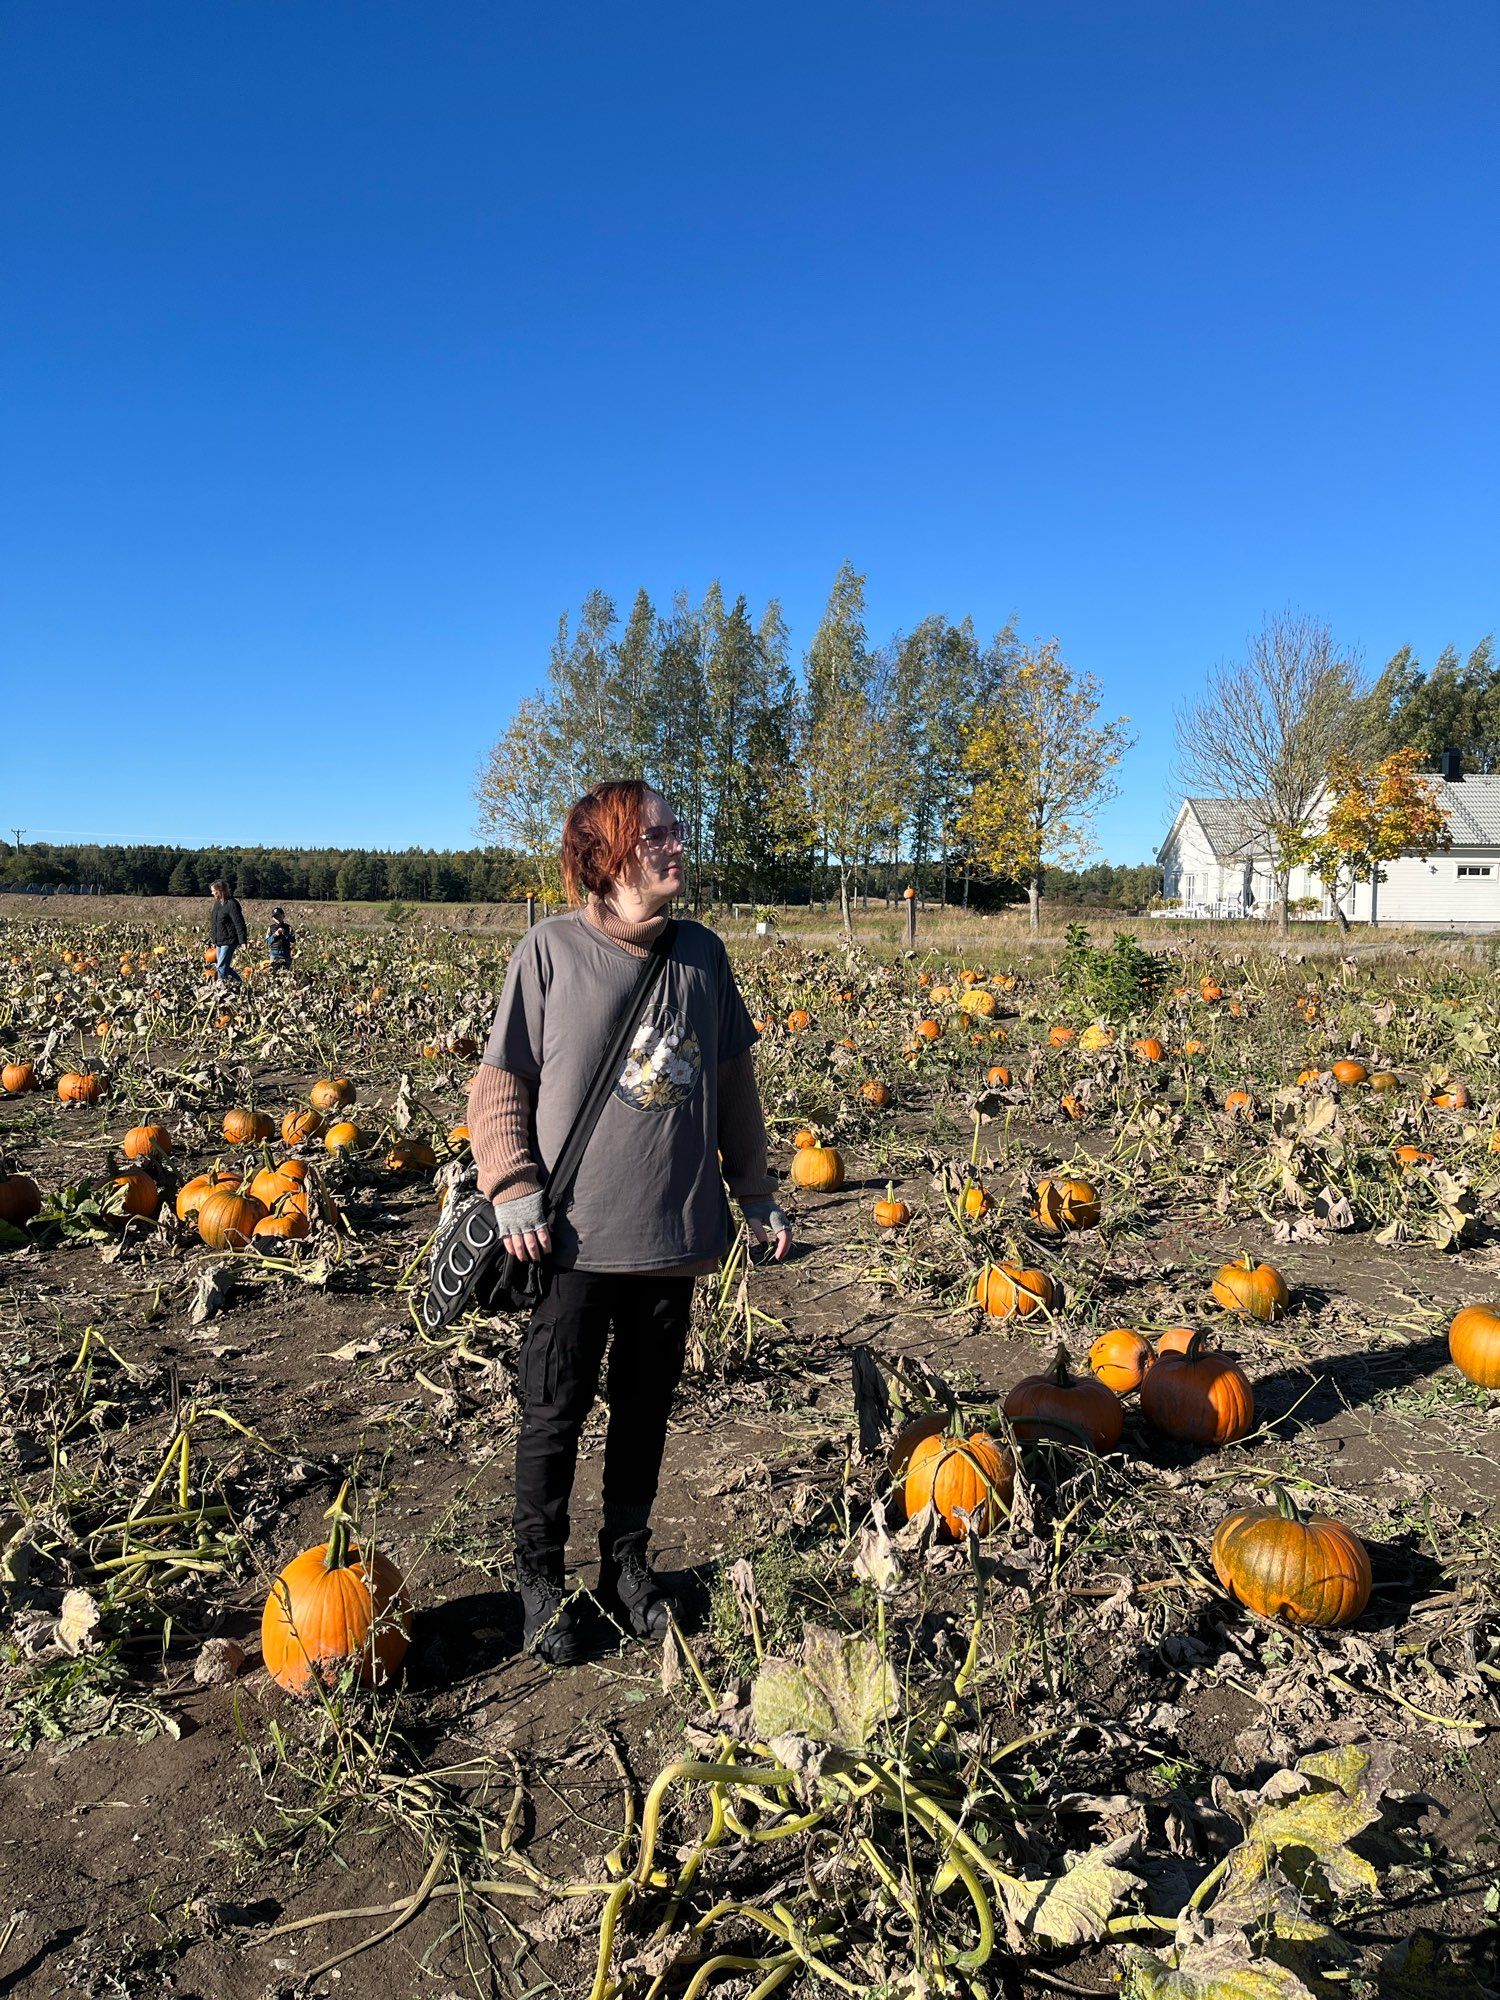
1213,865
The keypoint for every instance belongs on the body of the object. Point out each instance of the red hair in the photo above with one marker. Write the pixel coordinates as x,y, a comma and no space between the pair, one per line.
600,835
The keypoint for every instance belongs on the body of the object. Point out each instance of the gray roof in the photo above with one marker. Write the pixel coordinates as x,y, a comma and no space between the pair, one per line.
1472,806
1473,809
1228,824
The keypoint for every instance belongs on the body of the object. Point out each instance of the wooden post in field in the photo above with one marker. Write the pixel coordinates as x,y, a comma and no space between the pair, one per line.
530,908
911,914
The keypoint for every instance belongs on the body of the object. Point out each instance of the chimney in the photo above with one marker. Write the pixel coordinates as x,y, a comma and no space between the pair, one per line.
1453,767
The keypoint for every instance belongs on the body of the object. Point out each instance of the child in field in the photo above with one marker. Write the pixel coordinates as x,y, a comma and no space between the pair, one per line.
279,941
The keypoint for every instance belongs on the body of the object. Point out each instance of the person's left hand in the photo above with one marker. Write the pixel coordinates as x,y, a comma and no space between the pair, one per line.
775,1230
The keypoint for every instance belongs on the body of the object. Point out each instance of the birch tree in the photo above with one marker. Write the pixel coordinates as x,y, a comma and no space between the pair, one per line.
1039,763
522,792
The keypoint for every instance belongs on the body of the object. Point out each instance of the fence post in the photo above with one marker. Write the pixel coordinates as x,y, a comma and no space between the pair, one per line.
530,908
911,914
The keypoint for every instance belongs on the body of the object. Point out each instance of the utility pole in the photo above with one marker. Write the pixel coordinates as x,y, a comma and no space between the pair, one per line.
18,831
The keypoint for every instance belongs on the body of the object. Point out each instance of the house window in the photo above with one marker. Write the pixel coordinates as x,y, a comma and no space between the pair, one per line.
1473,871
1187,888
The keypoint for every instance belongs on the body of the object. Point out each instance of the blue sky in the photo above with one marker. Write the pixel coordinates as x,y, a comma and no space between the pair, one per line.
348,344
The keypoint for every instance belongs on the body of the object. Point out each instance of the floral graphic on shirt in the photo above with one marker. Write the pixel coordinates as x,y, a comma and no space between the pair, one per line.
662,1065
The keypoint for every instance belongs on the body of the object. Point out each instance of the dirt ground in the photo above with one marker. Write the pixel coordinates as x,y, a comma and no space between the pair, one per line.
158,1833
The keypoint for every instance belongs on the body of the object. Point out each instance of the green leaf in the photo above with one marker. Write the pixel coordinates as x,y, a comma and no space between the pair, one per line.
1072,1908
839,1692
1221,1969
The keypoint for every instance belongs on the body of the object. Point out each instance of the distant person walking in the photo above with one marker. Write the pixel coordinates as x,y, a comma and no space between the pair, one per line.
229,933
280,938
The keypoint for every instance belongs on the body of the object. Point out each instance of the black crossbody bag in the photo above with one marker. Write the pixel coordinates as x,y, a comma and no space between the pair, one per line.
470,1264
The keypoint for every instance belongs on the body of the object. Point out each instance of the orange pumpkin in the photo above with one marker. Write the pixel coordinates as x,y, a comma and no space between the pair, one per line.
331,1093
344,1137
288,1223
20,1199
17,1078
1073,1105
142,1197
1148,1049
798,1019
1210,990
335,1607
997,1076
1006,1291
246,1128
928,1030
1257,1290
1454,1098
1474,1343
1412,1156
1062,1205
1061,1035
146,1142
1120,1359
1199,1396
976,1201
195,1192
818,1168
890,1213
299,1126
873,1091
411,1156
271,1183
79,1086
967,1481
1058,1404
227,1219
1349,1071
1303,1568
1239,1104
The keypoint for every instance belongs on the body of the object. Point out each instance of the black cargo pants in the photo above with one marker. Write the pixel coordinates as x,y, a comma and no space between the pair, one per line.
562,1353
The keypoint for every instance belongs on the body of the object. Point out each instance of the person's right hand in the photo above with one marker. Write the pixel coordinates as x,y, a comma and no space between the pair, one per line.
529,1246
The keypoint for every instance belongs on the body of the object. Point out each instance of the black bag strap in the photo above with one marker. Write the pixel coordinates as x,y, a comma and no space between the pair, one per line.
570,1159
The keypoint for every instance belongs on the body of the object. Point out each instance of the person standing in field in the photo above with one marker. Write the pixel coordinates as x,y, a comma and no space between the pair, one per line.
647,1214
280,937
229,933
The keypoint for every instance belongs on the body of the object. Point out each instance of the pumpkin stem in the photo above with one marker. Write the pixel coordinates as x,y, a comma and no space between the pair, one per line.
1286,1506
1059,1371
338,1535
890,1190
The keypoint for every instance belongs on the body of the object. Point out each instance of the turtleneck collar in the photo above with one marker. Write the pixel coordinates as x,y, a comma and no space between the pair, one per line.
637,937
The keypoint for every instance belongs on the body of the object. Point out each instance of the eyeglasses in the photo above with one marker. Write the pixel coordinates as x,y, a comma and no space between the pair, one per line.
656,837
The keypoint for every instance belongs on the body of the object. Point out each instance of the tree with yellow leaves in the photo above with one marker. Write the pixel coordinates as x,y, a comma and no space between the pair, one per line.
1375,813
1039,762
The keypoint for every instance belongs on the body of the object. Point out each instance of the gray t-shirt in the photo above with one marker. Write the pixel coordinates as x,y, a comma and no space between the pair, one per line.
649,1194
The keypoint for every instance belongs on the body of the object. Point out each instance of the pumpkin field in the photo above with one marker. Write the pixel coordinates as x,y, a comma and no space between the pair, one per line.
1085,1544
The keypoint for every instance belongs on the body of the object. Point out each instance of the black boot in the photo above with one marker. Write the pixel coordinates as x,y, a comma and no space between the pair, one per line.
627,1590
551,1631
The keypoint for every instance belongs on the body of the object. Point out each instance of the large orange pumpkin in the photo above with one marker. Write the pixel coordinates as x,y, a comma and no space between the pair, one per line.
142,1197
17,1077
298,1126
20,1199
1281,1563
1006,1291
331,1093
1059,1404
247,1128
819,1168
1257,1290
146,1142
271,1183
1199,1396
1349,1071
1064,1205
195,1192
1474,1343
227,1219
79,1087
967,1481
334,1607
344,1137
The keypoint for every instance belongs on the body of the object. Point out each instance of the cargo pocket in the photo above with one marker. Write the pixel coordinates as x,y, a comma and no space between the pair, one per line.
538,1369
